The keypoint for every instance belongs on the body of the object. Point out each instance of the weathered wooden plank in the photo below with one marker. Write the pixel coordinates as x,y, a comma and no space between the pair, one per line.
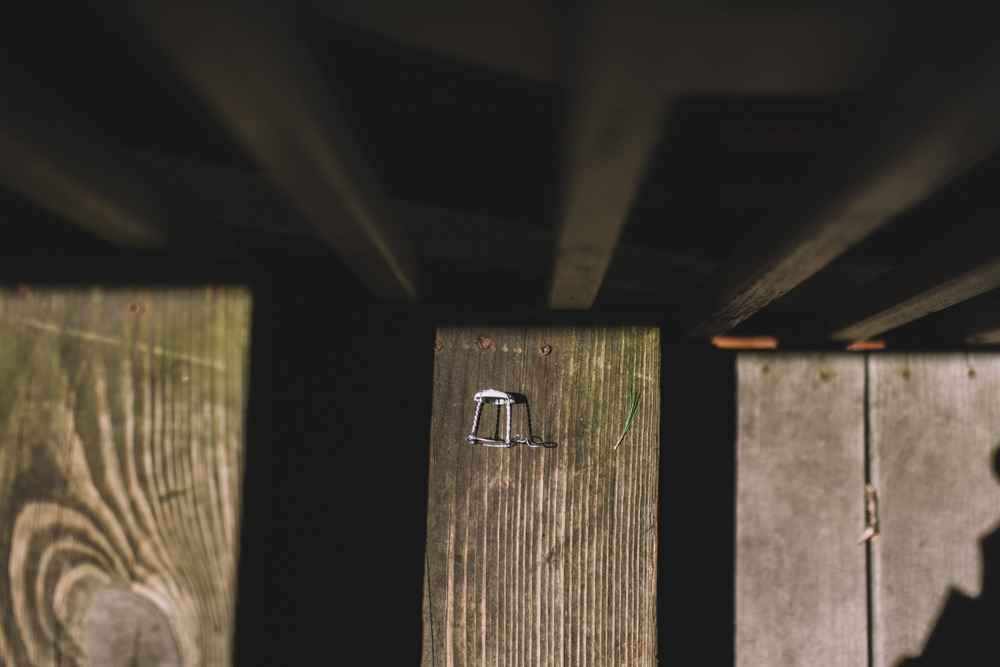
618,103
544,556
962,268
800,572
248,61
951,105
934,426
121,455
53,161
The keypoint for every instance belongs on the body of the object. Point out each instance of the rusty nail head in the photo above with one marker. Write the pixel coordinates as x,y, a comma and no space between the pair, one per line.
136,309
438,345
545,349
485,342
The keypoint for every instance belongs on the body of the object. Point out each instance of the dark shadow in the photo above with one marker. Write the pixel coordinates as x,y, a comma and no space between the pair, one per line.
966,634
695,584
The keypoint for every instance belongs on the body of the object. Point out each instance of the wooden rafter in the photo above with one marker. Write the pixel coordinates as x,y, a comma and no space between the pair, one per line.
942,118
958,270
249,63
615,116
56,163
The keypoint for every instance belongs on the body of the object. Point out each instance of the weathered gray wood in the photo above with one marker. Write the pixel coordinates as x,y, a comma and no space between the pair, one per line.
544,556
800,572
246,58
121,454
960,269
942,118
618,102
53,161
934,425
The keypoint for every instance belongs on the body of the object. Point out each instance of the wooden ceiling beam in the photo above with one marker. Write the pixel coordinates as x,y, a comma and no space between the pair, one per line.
53,161
940,119
617,106
248,61
965,267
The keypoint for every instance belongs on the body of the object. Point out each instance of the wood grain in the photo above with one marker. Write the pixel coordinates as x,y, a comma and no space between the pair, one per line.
800,572
934,426
544,556
121,454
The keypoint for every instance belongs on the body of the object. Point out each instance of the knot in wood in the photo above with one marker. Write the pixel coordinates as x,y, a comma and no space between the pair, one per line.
121,627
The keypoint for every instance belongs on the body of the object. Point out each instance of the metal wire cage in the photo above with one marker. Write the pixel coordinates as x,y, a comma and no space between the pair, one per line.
505,399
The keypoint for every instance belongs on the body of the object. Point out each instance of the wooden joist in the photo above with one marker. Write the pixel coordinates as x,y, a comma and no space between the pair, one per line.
965,267
51,160
616,111
247,60
246,198
941,119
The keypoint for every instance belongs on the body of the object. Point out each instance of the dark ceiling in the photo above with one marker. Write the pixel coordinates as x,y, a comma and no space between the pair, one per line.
820,172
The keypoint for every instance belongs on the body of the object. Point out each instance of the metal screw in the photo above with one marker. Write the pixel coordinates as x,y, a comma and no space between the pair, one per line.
485,342
136,309
545,350
438,345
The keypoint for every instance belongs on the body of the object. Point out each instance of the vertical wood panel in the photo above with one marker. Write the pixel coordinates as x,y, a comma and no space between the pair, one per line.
544,556
121,450
934,430
800,574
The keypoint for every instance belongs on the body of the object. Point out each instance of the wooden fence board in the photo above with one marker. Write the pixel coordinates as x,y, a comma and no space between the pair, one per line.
121,450
544,556
800,573
934,431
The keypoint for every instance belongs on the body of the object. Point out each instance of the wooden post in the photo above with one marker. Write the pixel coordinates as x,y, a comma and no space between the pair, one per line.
121,450
800,571
544,555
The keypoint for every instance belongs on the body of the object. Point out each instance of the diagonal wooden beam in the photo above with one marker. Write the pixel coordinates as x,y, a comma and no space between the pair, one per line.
247,60
967,266
942,118
615,117
48,158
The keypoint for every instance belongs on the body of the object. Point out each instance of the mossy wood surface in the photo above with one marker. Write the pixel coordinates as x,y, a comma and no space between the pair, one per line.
544,556
121,451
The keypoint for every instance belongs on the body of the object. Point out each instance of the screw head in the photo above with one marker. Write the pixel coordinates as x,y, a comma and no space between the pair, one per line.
545,350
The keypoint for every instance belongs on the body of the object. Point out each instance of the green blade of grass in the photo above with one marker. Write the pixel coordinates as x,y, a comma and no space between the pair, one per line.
631,407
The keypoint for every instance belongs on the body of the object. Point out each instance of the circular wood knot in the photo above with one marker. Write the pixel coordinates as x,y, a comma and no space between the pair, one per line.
123,628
